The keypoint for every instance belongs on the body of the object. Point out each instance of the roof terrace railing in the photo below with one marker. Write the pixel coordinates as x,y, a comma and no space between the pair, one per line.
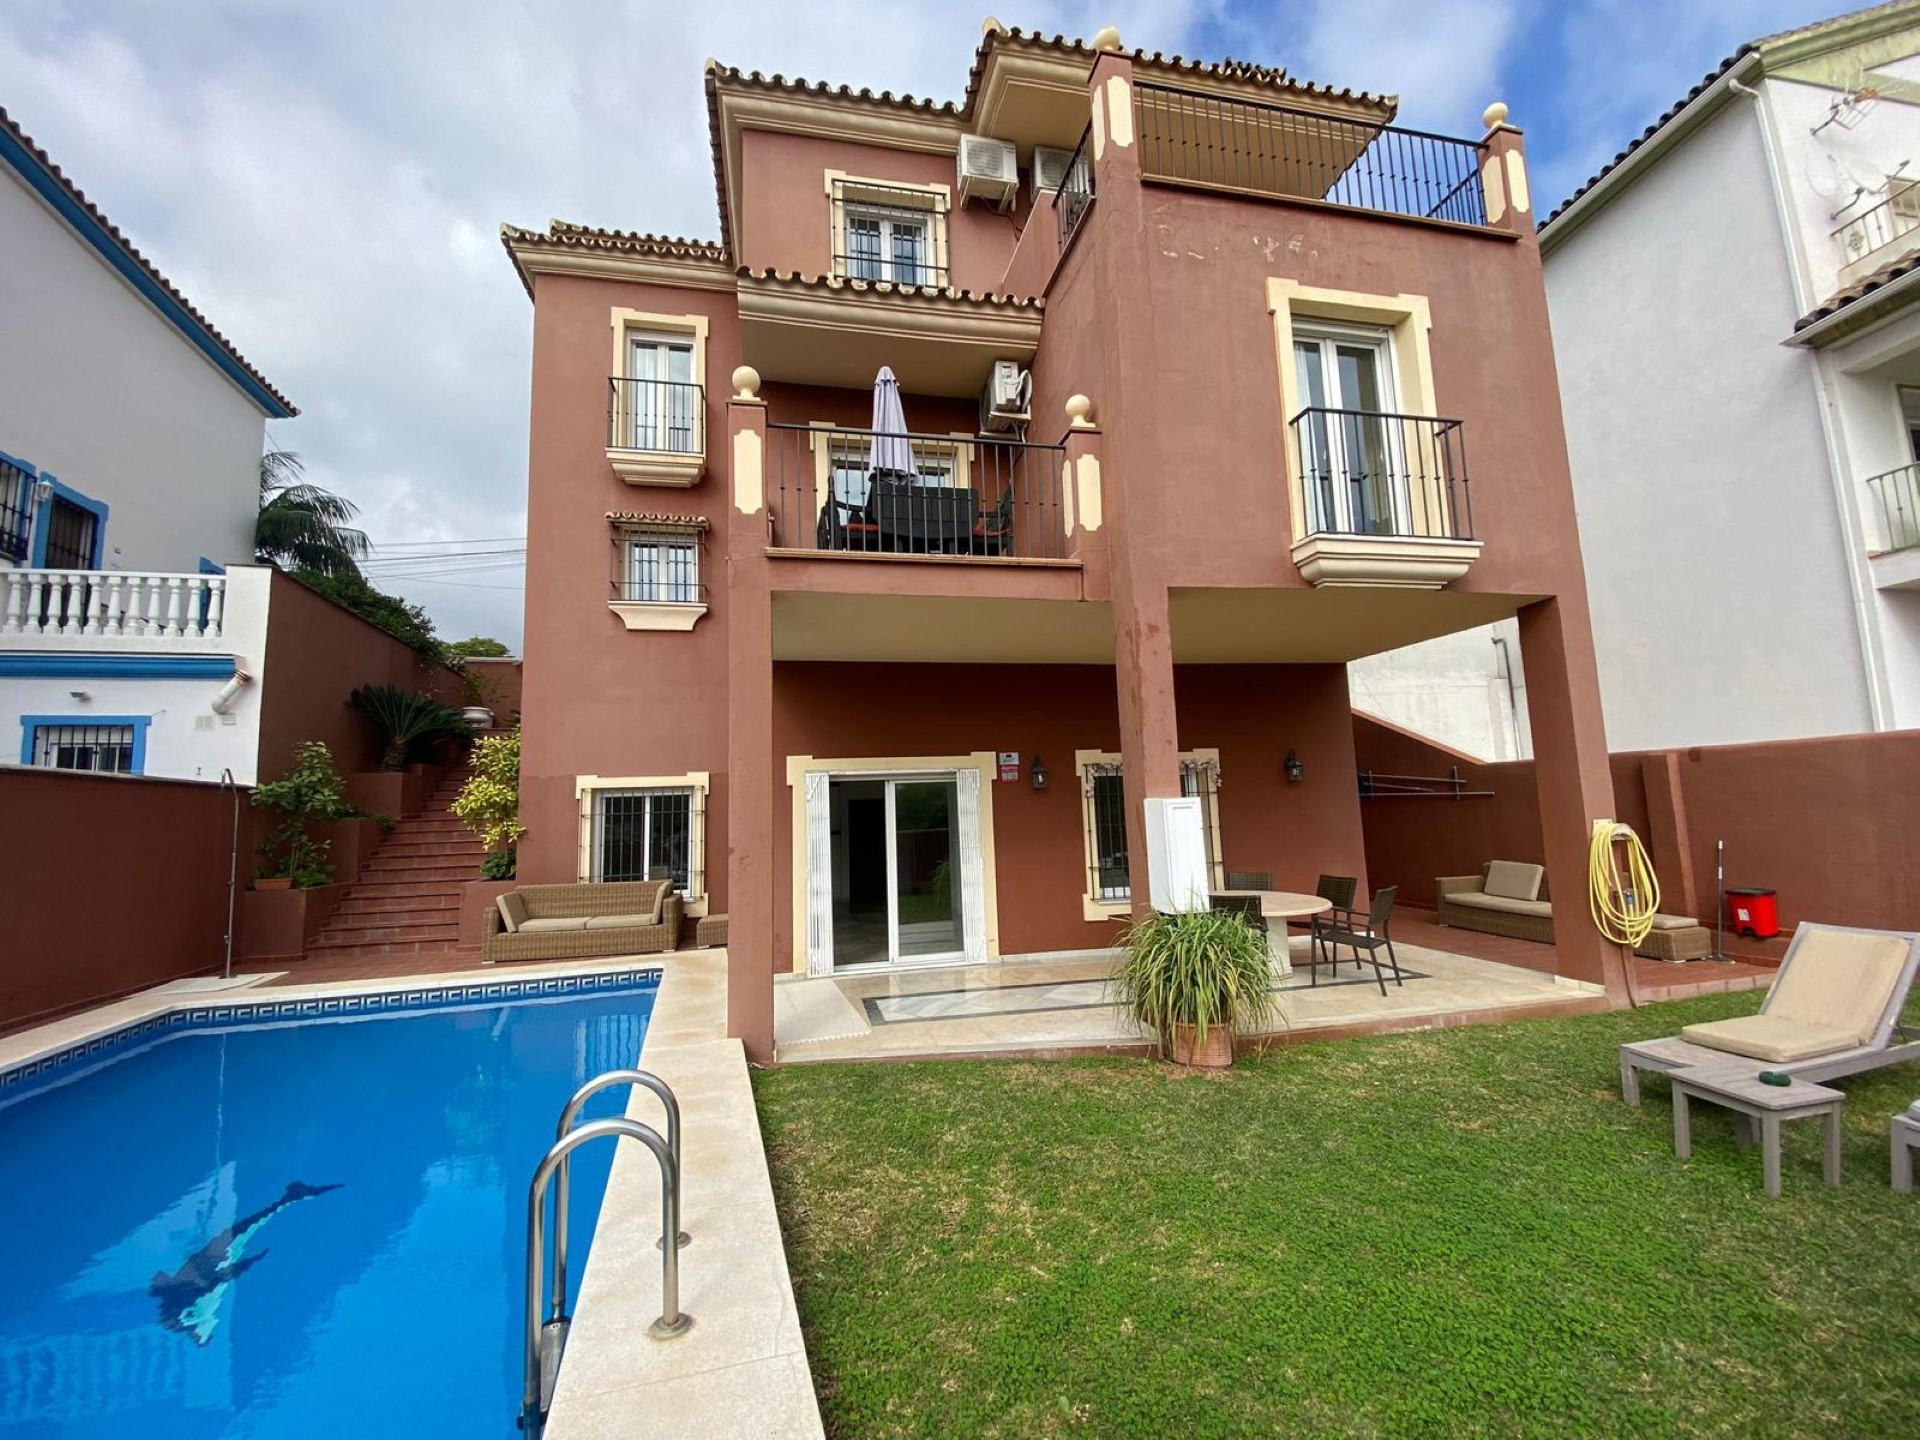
1873,230
1252,148
1898,493
1075,193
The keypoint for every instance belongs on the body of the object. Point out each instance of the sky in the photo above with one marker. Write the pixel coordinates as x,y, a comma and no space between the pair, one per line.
325,179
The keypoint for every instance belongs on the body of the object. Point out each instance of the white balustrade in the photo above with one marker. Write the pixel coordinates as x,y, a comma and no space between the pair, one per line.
111,604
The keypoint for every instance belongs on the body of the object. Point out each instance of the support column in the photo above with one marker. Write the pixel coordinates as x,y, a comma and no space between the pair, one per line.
1667,837
1149,727
1083,503
750,777
1572,777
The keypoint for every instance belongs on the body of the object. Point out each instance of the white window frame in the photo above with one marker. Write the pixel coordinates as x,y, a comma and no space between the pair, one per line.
651,416
1088,763
1327,337
588,792
673,550
889,228
44,746
883,201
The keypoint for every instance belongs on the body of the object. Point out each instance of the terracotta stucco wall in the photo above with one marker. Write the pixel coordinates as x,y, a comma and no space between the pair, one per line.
787,225
129,883
1251,714
600,699
1828,823
499,681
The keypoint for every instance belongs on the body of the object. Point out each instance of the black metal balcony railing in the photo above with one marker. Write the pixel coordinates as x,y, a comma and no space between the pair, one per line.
1075,195
660,415
1367,473
1253,148
915,494
884,232
16,495
1898,493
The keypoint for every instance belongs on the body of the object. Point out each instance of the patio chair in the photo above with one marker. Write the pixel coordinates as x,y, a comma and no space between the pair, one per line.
993,531
1833,1009
1247,907
843,527
1341,926
1249,880
1339,889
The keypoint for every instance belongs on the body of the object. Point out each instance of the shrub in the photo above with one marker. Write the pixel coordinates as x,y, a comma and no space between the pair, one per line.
310,792
1203,969
490,801
408,720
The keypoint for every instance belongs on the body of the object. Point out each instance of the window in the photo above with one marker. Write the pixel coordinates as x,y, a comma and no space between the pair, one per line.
661,569
16,496
887,231
1105,822
652,832
1347,443
113,747
663,401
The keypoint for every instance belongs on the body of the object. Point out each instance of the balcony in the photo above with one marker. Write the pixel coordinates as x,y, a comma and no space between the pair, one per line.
657,431
1384,499
1895,500
929,497
113,611
1882,234
1246,147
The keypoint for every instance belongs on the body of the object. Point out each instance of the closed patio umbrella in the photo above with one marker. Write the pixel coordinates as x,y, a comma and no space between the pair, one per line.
892,455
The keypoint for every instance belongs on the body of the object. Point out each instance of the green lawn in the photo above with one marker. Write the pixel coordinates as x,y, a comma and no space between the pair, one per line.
1453,1234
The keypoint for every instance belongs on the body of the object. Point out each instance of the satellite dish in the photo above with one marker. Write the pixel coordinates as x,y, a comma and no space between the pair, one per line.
1829,180
1865,173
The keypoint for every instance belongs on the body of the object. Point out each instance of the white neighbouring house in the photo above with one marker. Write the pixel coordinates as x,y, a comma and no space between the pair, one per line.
1736,322
132,620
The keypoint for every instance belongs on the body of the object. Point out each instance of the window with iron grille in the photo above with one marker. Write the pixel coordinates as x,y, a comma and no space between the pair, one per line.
889,232
649,835
16,495
107,749
660,569
1105,821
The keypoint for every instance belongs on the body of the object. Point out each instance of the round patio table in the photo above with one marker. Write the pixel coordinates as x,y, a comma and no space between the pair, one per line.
1283,905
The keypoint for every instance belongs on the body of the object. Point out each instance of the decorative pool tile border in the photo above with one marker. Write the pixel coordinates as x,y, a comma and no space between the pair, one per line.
98,1048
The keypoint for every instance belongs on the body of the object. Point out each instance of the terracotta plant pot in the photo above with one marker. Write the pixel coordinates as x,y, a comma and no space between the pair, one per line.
274,882
1216,1053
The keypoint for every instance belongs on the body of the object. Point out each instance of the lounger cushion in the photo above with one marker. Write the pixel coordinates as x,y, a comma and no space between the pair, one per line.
1513,880
513,910
1476,900
1770,1037
1674,922
620,922
1839,979
554,922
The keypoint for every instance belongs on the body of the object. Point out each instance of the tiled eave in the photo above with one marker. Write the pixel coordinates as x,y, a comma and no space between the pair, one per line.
566,249
1891,288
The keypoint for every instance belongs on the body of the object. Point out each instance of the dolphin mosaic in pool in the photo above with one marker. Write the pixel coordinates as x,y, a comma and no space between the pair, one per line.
190,1297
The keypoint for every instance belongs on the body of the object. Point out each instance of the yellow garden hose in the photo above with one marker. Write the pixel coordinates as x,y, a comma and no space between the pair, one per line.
1623,901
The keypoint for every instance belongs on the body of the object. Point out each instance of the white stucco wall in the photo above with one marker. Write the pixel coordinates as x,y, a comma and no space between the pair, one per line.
1714,551
1452,689
98,389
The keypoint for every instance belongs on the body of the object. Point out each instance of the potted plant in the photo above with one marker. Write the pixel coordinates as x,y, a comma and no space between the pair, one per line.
489,803
313,791
1196,980
408,720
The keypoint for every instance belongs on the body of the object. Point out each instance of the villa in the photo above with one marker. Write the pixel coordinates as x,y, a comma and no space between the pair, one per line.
1211,380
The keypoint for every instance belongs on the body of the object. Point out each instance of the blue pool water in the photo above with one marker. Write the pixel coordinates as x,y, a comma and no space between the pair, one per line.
178,1265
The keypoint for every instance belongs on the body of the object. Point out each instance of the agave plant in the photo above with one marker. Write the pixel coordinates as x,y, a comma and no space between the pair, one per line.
407,719
1191,973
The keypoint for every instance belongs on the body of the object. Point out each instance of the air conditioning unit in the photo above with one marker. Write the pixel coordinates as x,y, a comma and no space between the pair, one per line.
989,170
1050,167
1003,404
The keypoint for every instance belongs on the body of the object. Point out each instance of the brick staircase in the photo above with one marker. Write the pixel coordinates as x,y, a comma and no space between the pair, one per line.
407,899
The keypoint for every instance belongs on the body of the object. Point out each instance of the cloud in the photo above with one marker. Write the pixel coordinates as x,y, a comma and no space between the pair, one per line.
325,179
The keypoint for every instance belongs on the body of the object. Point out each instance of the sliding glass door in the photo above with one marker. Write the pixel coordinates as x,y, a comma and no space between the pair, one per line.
896,852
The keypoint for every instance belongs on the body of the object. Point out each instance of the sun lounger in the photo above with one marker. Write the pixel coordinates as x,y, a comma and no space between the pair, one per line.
1834,1009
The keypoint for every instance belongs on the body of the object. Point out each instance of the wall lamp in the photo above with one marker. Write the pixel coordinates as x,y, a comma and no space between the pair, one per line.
1296,771
1039,773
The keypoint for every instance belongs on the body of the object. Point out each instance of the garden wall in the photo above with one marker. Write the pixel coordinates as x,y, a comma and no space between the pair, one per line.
1829,823
119,882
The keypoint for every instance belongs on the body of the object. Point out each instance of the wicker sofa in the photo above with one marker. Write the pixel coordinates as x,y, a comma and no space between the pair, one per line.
1496,902
572,922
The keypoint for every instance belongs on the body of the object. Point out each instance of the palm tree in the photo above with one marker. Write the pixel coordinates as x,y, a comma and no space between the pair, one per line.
302,526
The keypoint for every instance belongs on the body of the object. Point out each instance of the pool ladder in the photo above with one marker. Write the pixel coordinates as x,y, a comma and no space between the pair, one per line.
546,1339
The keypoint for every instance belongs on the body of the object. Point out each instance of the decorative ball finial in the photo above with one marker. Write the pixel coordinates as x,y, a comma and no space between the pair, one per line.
746,383
1495,115
1107,38
1079,412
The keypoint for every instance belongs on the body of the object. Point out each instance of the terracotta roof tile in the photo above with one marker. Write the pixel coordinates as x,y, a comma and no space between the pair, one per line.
887,287
659,518
1859,290
146,267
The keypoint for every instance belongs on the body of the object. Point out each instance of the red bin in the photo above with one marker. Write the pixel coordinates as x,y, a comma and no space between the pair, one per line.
1754,912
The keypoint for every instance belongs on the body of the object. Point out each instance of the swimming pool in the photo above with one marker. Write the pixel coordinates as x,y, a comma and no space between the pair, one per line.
272,1229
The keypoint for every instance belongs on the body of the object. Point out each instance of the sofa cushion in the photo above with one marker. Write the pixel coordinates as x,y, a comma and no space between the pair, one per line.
1478,900
513,910
1674,922
1838,978
1769,1037
1513,879
540,925
619,922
